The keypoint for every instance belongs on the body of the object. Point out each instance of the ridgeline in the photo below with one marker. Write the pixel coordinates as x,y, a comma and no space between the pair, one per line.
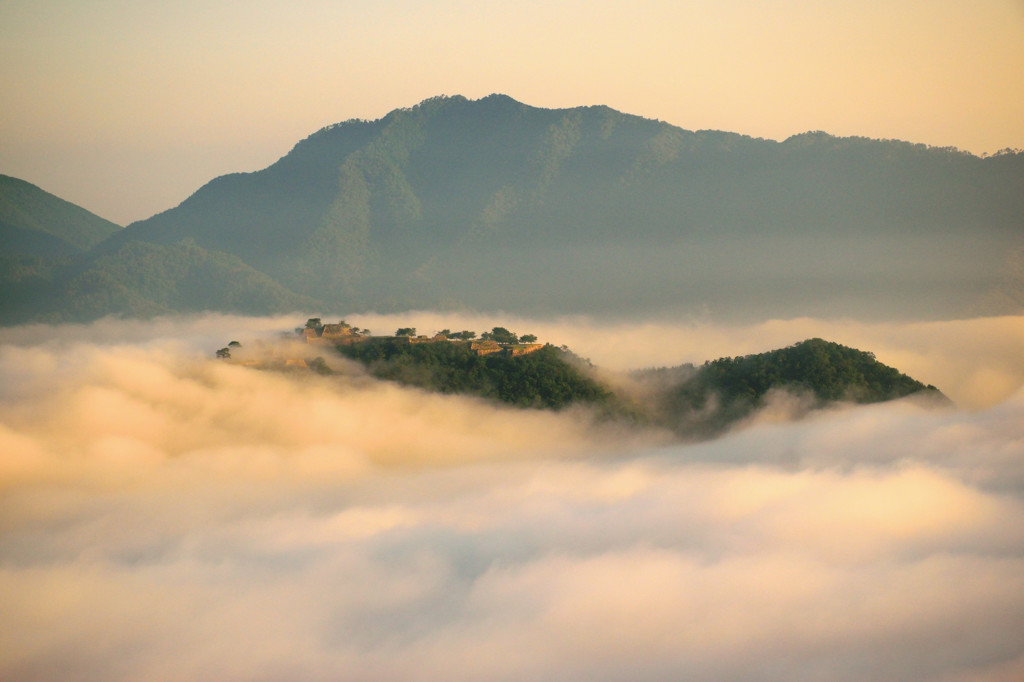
492,204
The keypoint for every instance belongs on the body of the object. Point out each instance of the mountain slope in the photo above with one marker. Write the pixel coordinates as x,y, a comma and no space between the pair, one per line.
40,234
142,279
493,204
35,222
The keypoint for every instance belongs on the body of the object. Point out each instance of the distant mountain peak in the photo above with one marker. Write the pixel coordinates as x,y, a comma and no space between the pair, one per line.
492,204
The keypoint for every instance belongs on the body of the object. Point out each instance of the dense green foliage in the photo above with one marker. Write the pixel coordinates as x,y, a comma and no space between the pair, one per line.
546,378
727,389
26,285
143,279
694,401
35,222
40,237
699,401
501,335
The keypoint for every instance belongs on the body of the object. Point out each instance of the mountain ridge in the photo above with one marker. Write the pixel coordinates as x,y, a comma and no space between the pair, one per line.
494,204
29,213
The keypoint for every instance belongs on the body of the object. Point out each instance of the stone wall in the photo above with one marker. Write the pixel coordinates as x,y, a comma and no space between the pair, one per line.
484,347
526,348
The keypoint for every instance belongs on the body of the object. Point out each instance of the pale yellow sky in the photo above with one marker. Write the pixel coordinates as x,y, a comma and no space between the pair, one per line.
126,107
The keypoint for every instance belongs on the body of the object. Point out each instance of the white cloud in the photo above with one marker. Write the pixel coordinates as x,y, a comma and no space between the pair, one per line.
167,516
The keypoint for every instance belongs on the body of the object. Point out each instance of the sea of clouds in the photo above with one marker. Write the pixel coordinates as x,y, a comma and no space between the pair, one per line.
168,516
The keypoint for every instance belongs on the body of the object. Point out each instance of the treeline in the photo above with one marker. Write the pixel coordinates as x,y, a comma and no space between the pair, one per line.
497,334
549,377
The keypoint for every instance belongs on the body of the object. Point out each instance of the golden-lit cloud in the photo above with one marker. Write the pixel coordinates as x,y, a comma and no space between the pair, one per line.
170,516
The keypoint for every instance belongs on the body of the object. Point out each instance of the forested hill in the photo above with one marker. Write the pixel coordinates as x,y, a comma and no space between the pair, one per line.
548,377
492,204
690,400
723,391
37,223
41,237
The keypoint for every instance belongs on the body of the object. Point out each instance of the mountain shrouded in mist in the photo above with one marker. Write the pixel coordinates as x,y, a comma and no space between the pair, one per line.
492,204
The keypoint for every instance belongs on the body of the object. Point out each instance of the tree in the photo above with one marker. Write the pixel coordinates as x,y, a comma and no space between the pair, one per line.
224,354
319,365
406,331
527,338
502,335
313,323
234,344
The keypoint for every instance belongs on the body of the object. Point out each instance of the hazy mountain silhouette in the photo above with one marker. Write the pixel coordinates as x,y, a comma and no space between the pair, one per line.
492,204
37,223
40,235
47,271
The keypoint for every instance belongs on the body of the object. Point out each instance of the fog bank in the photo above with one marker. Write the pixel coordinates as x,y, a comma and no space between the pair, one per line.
164,515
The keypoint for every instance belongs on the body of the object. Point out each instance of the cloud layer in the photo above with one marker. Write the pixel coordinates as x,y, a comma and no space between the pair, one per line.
167,516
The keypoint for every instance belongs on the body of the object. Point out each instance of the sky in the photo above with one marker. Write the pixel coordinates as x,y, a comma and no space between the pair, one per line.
127,107
168,516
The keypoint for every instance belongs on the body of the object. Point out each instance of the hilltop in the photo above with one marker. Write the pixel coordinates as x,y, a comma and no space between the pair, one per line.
817,373
500,365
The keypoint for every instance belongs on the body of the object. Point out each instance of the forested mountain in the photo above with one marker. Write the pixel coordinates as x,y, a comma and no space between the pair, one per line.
493,204
37,223
40,236
142,279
